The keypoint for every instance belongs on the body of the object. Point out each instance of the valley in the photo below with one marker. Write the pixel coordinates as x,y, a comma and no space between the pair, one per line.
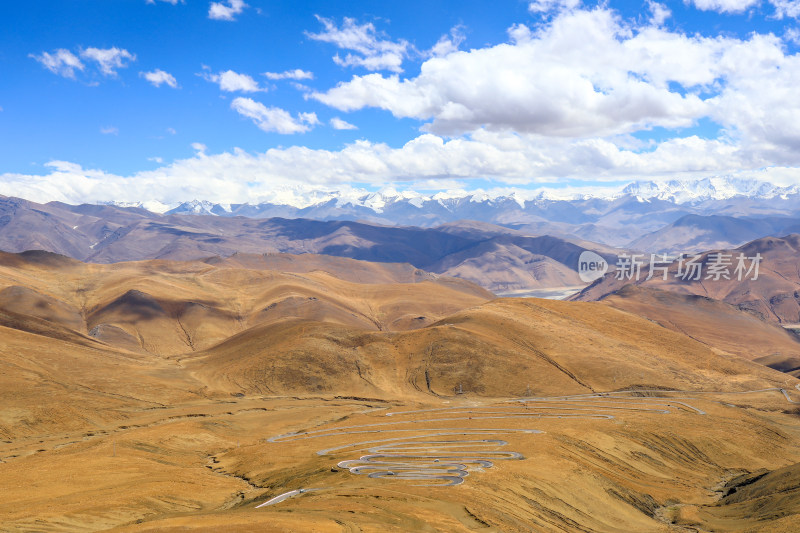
169,396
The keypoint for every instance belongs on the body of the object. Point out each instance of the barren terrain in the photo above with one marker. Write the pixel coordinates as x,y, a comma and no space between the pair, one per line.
169,396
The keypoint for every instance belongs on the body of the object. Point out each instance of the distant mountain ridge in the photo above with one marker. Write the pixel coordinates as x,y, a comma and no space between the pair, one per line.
494,257
615,218
303,198
692,233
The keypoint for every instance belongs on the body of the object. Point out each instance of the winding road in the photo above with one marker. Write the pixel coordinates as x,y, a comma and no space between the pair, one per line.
438,457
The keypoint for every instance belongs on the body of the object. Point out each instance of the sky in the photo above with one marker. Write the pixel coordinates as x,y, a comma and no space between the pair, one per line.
261,100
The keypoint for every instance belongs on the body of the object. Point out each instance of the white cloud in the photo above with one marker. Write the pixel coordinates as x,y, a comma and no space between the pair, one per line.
792,35
559,100
583,74
786,8
274,119
546,6
61,62
296,74
231,81
108,59
509,159
156,159
109,130
783,8
339,124
369,50
171,131
659,12
173,2
589,74
221,11
158,77
447,44
723,6
199,147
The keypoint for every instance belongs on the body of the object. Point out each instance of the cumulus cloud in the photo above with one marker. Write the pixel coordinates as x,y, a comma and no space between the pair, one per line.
61,62
367,47
274,119
226,10
199,147
339,124
561,100
296,74
546,6
590,74
723,6
231,81
786,8
158,77
65,63
792,35
447,44
782,8
173,2
108,59
510,159
583,74
659,13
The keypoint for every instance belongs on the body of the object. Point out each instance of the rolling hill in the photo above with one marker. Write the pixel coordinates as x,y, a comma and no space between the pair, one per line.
186,396
491,256
717,324
774,296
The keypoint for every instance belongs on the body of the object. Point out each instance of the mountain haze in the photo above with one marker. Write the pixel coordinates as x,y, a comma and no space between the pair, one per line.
492,256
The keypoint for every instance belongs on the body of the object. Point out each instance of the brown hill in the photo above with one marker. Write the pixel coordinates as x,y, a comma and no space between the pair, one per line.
502,348
164,411
492,256
774,296
507,267
167,308
714,323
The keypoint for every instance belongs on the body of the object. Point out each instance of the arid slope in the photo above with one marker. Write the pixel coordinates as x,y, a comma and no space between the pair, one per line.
152,396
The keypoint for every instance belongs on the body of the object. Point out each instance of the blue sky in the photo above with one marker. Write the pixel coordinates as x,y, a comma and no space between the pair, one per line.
171,100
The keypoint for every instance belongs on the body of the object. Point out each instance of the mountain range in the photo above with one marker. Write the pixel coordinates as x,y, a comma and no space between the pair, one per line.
615,217
495,257
503,243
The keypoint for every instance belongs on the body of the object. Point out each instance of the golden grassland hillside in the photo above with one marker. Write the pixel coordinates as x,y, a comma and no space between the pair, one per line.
774,295
170,396
715,323
165,308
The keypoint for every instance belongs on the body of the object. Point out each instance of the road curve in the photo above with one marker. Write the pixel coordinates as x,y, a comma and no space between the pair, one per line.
447,460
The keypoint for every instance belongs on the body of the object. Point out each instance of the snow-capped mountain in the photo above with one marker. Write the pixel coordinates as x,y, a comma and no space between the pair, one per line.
388,200
643,216
607,215
718,188
154,206
678,192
